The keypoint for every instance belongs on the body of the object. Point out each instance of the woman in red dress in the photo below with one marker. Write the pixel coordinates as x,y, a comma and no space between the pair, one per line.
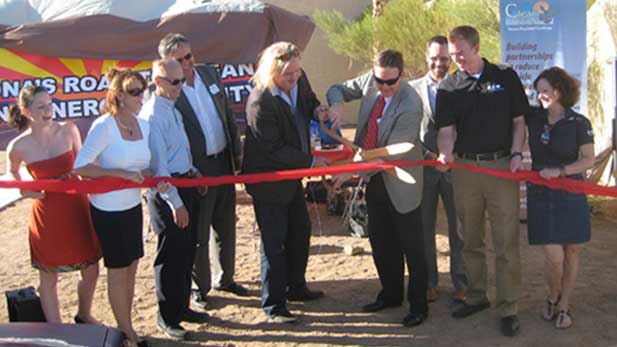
61,234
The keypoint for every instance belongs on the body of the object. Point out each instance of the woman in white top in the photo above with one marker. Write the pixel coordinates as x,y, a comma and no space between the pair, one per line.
117,146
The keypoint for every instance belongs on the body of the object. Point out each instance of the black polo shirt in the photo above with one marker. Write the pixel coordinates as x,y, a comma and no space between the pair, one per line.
482,109
564,138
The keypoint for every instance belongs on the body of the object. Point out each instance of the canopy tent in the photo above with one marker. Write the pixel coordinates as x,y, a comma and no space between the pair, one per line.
67,45
231,32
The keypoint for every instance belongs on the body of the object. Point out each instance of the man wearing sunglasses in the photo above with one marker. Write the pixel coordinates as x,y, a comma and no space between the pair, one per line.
438,183
390,113
480,115
173,214
215,147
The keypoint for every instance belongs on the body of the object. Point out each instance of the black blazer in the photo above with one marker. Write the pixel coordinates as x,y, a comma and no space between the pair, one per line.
196,137
272,142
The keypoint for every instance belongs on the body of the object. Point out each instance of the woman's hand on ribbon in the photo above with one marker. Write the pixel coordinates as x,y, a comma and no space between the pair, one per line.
136,177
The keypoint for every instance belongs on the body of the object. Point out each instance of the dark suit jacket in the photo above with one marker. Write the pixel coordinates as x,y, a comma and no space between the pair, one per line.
272,142
196,137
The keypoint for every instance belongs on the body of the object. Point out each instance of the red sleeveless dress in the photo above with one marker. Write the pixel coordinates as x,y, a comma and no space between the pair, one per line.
61,235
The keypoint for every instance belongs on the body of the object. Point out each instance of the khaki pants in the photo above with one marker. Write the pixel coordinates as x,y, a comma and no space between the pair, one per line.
475,193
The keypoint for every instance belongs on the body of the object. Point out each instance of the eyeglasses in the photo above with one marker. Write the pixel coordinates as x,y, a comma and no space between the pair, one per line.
173,82
135,91
389,82
545,137
291,53
188,56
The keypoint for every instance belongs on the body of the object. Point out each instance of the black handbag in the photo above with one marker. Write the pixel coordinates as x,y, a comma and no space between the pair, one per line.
24,305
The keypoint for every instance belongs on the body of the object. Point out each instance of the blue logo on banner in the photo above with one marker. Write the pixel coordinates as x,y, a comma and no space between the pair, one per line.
538,14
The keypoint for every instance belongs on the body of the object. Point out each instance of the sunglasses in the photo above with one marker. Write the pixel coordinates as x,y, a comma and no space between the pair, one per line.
389,82
173,82
291,53
135,91
188,56
545,136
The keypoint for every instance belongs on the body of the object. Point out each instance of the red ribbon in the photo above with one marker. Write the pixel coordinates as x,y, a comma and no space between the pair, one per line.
108,184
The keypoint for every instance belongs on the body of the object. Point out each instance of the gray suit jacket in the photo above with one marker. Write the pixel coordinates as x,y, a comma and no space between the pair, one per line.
400,123
428,130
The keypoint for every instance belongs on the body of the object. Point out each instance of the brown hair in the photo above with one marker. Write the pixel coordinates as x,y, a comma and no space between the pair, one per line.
119,79
569,88
465,32
389,58
24,100
438,39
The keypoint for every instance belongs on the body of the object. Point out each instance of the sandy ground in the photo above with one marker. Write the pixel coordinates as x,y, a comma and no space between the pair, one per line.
349,282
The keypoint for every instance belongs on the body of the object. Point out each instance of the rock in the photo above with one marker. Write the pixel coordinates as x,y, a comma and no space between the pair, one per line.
353,250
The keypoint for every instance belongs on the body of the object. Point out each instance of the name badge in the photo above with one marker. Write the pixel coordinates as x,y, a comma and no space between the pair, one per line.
214,89
494,87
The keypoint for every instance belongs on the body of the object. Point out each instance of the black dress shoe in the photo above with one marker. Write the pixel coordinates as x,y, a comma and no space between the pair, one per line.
195,317
510,326
235,288
413,319
379,305
467,310
304,294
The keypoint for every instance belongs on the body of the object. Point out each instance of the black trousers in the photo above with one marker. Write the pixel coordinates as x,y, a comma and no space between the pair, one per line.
174,254
396,238
285,237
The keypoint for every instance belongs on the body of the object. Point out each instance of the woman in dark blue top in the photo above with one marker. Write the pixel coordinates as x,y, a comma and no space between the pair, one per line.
561,144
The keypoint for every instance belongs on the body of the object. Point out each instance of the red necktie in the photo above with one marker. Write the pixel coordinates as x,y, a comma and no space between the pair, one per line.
370,140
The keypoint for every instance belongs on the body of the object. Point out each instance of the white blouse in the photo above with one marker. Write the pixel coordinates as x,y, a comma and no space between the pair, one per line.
105,147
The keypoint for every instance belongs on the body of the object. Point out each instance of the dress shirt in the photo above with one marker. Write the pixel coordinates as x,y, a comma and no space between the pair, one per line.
387,100
297,118
105,147
431,85
428,131
201,101
294,96
169,145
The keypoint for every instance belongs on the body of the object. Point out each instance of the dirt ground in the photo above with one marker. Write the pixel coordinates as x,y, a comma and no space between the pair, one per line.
349,282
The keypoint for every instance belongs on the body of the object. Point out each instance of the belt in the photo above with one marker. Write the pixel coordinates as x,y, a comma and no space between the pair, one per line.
215,155
484,156
188,174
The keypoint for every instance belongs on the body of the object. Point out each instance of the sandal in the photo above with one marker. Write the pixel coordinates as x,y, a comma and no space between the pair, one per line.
549,312
564,320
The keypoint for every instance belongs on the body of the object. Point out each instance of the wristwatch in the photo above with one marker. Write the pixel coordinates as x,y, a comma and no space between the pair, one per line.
514,154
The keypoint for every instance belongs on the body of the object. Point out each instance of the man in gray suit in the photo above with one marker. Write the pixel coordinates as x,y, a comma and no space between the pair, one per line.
438,183
390,113
215,148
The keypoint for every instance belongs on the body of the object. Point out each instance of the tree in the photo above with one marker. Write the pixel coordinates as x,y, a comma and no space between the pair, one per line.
406,25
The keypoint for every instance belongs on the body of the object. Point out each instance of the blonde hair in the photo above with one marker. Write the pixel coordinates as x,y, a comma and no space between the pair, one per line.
272,62
119,79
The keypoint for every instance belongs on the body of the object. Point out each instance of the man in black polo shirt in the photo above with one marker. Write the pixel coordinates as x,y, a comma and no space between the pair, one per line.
480,116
